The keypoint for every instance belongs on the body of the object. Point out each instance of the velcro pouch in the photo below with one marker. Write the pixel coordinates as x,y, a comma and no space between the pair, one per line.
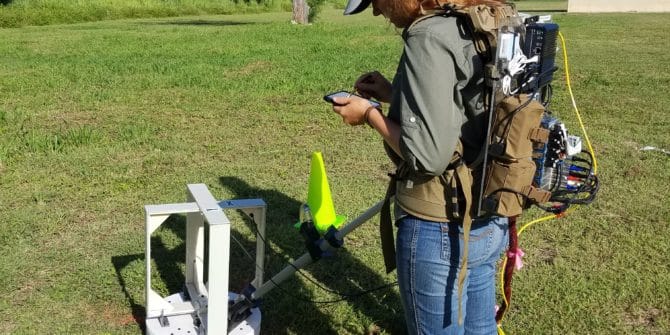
506,183
516,125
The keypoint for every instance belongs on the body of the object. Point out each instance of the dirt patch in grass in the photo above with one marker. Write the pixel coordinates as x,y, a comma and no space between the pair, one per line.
646,319
634,171
112,315
73,118
547,255
251,68
7,327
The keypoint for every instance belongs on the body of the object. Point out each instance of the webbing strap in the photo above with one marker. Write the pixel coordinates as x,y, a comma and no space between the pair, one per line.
462,173
455,210
386,227
536,194
540,135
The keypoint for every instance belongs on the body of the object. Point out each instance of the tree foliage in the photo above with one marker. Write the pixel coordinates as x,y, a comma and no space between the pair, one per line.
315,7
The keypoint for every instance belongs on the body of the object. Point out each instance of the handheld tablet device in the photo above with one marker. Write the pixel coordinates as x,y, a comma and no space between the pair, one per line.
329,98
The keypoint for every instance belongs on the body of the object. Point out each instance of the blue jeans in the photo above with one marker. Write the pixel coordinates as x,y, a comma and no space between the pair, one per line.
428,259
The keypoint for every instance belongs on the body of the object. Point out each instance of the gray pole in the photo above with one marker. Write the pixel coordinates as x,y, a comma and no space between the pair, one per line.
306,259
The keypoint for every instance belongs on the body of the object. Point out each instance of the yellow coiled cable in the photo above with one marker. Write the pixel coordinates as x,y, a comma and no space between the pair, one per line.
556,216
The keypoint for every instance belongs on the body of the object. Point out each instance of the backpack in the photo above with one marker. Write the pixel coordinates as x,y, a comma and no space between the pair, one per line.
528,157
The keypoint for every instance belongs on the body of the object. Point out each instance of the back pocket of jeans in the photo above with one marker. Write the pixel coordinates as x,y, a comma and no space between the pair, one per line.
479,248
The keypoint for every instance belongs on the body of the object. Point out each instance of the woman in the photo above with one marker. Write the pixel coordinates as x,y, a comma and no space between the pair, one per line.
436,117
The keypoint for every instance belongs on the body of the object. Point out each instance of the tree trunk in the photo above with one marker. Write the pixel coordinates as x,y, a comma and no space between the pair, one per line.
300,11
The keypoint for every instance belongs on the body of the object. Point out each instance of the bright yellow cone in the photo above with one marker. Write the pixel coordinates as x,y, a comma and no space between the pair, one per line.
318,197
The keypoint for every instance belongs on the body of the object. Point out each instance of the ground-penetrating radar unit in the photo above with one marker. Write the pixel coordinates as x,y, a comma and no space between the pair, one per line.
206,305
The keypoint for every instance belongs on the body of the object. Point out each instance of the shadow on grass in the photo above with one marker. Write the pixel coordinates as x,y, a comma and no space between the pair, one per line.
213,23
137,310
292,301
343,273
167,261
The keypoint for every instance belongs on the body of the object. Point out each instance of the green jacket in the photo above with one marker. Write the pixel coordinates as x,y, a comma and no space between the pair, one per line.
438,98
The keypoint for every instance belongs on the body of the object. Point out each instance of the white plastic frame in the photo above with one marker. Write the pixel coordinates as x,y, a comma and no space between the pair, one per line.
210,298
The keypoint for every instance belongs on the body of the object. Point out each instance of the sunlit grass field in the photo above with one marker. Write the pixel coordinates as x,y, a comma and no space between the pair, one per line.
99,119
44,12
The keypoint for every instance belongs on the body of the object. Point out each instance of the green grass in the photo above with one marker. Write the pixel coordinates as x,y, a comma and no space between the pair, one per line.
44,12
99,119
19,13
542,5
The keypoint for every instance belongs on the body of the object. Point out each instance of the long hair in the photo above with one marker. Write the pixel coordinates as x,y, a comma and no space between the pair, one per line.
406,11
438,4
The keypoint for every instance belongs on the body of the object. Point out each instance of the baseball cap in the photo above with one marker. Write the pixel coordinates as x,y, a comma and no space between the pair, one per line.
356,6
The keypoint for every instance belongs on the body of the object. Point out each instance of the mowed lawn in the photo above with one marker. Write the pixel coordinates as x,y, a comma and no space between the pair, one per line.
99,119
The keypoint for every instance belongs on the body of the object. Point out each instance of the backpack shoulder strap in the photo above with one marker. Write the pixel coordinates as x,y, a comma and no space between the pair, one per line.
483,21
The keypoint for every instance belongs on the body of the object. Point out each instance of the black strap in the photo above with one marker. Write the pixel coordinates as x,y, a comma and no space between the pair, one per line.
311,235
331,237
386,227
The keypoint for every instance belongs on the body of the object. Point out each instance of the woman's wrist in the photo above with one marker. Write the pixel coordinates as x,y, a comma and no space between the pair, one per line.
366,116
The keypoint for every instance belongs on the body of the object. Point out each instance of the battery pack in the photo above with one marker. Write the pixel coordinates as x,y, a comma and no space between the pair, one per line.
540,41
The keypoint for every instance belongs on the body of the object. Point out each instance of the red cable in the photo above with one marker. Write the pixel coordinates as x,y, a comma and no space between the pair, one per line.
509,267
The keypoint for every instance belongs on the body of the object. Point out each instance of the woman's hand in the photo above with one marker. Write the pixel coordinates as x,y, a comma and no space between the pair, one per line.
356,110
351,109
374,85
